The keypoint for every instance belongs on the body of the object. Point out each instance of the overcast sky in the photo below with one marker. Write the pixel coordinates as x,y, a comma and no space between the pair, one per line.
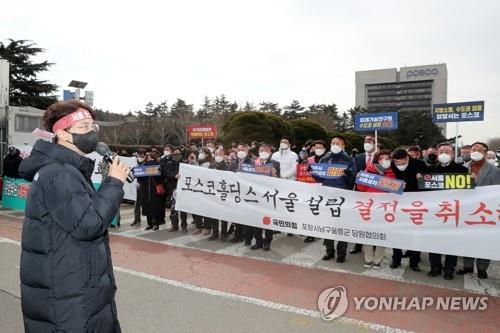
133,52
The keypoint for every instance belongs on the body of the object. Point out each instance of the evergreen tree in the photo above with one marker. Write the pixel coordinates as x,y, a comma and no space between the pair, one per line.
25,88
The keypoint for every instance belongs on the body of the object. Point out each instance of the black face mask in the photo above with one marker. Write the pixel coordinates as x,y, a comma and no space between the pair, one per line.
85,142
176,157
432,158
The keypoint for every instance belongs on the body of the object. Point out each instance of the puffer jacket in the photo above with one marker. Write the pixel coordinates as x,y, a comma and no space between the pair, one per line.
67,282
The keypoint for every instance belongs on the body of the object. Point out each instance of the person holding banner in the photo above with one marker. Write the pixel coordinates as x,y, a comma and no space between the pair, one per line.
362,161
446,165
337,156
171,174
166,164
318,152
484,174
264,159
241,232
141,157
205,159
153,195
407,168
380,165
67,281
219,163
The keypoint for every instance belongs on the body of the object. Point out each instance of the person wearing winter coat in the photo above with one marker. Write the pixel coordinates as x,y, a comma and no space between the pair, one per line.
11,163
337,155
67,281
263,243
380,165
153,195
446,164
204,224
172,177
484,174
219,163
319,151
287,159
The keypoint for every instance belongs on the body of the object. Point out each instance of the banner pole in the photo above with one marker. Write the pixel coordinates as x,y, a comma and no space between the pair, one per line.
456,141
376,140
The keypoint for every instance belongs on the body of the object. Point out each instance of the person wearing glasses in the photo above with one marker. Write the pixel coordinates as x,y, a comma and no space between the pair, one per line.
67,281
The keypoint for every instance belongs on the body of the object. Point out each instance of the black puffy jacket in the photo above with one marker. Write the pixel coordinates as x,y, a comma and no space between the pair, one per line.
67,282
11,165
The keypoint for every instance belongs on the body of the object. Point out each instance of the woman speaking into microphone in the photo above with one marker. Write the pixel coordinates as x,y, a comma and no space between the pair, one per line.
67,282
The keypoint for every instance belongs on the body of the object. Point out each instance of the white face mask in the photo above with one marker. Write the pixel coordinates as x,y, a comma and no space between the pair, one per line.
201,156
402,167
491,161
264,155
219,159
283,146
476,156
385,164
444,158
140,159
167,152
319,152
241,154
212,149
336,149
368,147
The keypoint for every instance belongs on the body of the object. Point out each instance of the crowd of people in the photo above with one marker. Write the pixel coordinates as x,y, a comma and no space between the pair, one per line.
155,194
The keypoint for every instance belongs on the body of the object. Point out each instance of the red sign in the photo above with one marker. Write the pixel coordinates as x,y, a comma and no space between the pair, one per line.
303,175
206,131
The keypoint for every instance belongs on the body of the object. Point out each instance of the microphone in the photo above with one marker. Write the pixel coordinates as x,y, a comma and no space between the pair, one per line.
103,150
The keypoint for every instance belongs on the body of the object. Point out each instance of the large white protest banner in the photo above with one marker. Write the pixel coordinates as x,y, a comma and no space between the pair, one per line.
458,222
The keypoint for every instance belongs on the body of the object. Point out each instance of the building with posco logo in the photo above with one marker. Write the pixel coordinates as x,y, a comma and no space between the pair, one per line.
411,89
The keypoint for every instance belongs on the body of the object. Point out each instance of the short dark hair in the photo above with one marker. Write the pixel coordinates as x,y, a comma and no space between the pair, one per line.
444,144
466,147
62,108
263,144
286,138
481,143
319,142
338,137
399,153
414,148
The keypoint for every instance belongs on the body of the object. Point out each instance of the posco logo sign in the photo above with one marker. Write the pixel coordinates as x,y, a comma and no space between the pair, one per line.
422,72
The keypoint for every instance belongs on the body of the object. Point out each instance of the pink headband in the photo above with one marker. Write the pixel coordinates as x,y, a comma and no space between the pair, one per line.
70,119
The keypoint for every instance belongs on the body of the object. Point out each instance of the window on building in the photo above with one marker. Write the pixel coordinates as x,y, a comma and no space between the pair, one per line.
27,123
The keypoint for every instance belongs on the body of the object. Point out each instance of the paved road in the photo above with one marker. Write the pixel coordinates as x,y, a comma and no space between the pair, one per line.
146,305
